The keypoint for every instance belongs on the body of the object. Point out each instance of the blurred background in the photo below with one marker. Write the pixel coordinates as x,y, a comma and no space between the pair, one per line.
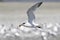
14,11
29,0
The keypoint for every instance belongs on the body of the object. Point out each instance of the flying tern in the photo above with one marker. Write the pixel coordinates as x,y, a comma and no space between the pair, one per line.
31,16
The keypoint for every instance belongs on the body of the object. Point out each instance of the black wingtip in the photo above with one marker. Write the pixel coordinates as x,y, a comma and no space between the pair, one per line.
39,4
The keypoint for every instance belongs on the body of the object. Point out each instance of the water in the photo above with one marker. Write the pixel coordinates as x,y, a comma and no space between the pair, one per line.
13,33
15,13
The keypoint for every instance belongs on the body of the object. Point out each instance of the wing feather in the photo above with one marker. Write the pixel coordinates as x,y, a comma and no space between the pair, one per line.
30,12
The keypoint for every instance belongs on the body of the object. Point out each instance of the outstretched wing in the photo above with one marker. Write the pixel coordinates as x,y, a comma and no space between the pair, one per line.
31,16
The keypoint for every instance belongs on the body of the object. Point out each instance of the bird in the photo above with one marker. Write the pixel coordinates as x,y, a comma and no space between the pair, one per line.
31,17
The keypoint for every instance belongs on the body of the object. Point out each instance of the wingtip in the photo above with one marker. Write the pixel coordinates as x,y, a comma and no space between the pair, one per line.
39,4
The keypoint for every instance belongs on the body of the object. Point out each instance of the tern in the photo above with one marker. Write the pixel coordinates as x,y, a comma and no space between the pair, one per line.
31,16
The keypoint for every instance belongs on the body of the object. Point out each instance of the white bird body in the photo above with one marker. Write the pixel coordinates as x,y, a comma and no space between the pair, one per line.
31,16
27,24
